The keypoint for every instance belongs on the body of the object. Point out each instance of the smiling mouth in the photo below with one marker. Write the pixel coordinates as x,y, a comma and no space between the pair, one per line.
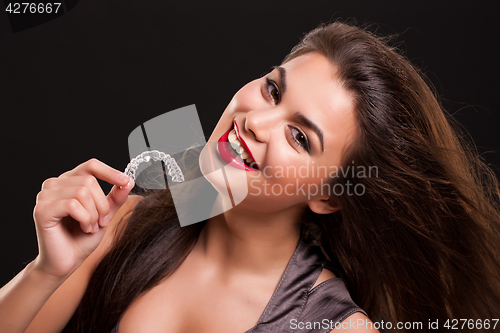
234,151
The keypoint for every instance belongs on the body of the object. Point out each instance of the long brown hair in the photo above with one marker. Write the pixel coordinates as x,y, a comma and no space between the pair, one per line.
421,243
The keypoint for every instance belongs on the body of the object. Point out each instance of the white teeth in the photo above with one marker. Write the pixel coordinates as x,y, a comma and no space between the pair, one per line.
233,140
232,135
237,146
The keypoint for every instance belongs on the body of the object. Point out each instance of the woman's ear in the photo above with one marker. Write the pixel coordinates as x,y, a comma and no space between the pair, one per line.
323,205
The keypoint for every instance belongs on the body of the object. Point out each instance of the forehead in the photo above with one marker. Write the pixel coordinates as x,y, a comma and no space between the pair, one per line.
314,89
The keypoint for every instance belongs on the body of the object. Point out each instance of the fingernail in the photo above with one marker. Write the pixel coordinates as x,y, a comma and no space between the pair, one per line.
125,187
123,177
96,227
105,220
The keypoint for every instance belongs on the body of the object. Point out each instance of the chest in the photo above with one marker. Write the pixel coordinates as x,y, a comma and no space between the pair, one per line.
190,302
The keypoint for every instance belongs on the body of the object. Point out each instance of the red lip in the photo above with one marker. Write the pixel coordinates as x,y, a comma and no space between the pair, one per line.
227,155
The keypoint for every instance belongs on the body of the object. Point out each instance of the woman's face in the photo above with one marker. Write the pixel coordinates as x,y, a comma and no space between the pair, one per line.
295,124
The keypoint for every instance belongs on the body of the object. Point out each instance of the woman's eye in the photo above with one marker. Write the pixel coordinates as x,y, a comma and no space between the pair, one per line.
273,91
299,138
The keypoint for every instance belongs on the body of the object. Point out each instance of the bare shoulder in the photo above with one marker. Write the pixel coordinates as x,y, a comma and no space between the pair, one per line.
358,323
59,308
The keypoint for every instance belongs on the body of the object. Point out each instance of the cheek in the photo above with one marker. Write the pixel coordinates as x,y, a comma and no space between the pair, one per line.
285,164
287,169
247,98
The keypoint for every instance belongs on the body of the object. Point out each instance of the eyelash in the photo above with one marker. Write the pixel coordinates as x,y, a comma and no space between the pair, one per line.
294,138
271,84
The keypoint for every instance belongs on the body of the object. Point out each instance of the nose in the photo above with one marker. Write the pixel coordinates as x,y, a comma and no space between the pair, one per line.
262,122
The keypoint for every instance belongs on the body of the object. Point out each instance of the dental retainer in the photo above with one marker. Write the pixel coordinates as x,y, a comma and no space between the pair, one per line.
173,169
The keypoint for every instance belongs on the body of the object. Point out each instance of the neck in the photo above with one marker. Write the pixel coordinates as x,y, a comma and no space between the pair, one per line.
250,242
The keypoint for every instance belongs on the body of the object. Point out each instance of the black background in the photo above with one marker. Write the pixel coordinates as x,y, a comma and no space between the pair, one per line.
75,87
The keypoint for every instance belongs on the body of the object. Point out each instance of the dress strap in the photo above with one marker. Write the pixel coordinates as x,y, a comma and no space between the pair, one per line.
290,296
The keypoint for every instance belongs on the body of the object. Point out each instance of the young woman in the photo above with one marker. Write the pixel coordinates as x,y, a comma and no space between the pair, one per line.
402,228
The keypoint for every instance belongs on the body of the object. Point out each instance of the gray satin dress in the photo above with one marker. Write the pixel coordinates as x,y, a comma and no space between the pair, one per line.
295,307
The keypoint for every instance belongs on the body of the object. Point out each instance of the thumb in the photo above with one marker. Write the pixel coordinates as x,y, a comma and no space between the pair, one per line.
117,197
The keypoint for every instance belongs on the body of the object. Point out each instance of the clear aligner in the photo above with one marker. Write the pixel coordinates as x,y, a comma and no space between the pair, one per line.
173,169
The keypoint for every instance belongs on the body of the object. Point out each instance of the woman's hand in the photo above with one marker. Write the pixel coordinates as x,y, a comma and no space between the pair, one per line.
71,215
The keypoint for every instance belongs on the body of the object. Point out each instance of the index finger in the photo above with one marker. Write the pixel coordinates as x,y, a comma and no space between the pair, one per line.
99,170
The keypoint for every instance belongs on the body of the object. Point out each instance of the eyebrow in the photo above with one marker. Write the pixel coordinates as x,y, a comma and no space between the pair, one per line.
312,126
282,72
303,119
